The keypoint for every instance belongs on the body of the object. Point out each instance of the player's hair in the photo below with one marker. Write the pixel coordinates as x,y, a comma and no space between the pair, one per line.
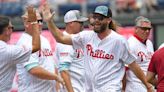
112,25
4,22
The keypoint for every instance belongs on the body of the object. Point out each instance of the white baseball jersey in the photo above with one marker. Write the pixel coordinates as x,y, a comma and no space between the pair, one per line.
143,53
104,60
42,58
10,56
161,46
67,55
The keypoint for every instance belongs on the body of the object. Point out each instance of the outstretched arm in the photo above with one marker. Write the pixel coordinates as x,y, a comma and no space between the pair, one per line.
139,73
35,28
48,17
44,74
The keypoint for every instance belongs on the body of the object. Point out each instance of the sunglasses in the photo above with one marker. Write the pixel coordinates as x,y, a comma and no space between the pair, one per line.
98,17
11,27
79,22
145,28
40,21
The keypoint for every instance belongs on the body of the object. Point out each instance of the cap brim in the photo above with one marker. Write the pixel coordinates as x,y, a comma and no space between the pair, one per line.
82,19
99,13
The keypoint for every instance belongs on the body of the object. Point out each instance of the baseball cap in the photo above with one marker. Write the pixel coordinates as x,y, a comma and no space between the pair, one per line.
103,10
140,19
74,15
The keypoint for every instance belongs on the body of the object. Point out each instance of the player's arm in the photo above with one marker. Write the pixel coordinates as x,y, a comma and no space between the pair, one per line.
139,73
151,78
48,17
57,85
64,71
66,77
41,73
35,29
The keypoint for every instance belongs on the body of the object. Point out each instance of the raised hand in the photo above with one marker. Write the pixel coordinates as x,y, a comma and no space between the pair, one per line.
47,15
31,14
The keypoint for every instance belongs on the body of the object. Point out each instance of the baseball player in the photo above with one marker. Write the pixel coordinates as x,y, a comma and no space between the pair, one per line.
105,51
38,74
71,64
142,48
12,54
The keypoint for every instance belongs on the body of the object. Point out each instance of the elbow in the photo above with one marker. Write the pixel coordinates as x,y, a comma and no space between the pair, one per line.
34,71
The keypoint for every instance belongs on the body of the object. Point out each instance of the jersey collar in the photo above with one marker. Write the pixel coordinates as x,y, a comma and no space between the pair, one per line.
140,39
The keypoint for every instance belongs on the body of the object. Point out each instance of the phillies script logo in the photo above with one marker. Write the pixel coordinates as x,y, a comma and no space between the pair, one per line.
45,52
98,53
142,55
79,53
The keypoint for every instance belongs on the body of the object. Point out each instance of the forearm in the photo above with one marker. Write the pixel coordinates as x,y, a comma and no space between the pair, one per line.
55,31
41,73
66,77
35,38
139,73
59,36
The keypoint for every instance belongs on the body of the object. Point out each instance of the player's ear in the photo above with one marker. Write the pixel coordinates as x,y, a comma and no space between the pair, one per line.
136,29
109,20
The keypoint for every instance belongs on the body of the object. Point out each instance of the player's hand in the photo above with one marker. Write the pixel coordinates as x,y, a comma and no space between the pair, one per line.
32,20
31,14
60,80
150,88
46,12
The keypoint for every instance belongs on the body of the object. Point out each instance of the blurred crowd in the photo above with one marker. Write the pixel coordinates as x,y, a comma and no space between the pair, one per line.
129,6
17,7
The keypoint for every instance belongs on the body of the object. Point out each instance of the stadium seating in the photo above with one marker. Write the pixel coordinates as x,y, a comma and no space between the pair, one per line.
11,9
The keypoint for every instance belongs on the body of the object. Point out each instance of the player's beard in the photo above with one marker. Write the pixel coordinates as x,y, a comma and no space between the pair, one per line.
101,29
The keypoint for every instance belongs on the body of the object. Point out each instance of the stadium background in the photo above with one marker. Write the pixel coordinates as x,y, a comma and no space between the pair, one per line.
124,13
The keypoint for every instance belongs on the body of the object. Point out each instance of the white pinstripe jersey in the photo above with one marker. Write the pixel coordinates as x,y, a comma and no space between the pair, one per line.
65,53
42,58
104,60
10,56
143,53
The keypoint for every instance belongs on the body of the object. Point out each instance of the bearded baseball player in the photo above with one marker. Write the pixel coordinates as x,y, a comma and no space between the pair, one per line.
105,51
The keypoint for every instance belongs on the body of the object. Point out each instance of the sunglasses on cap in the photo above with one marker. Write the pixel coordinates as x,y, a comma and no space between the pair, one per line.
145,28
